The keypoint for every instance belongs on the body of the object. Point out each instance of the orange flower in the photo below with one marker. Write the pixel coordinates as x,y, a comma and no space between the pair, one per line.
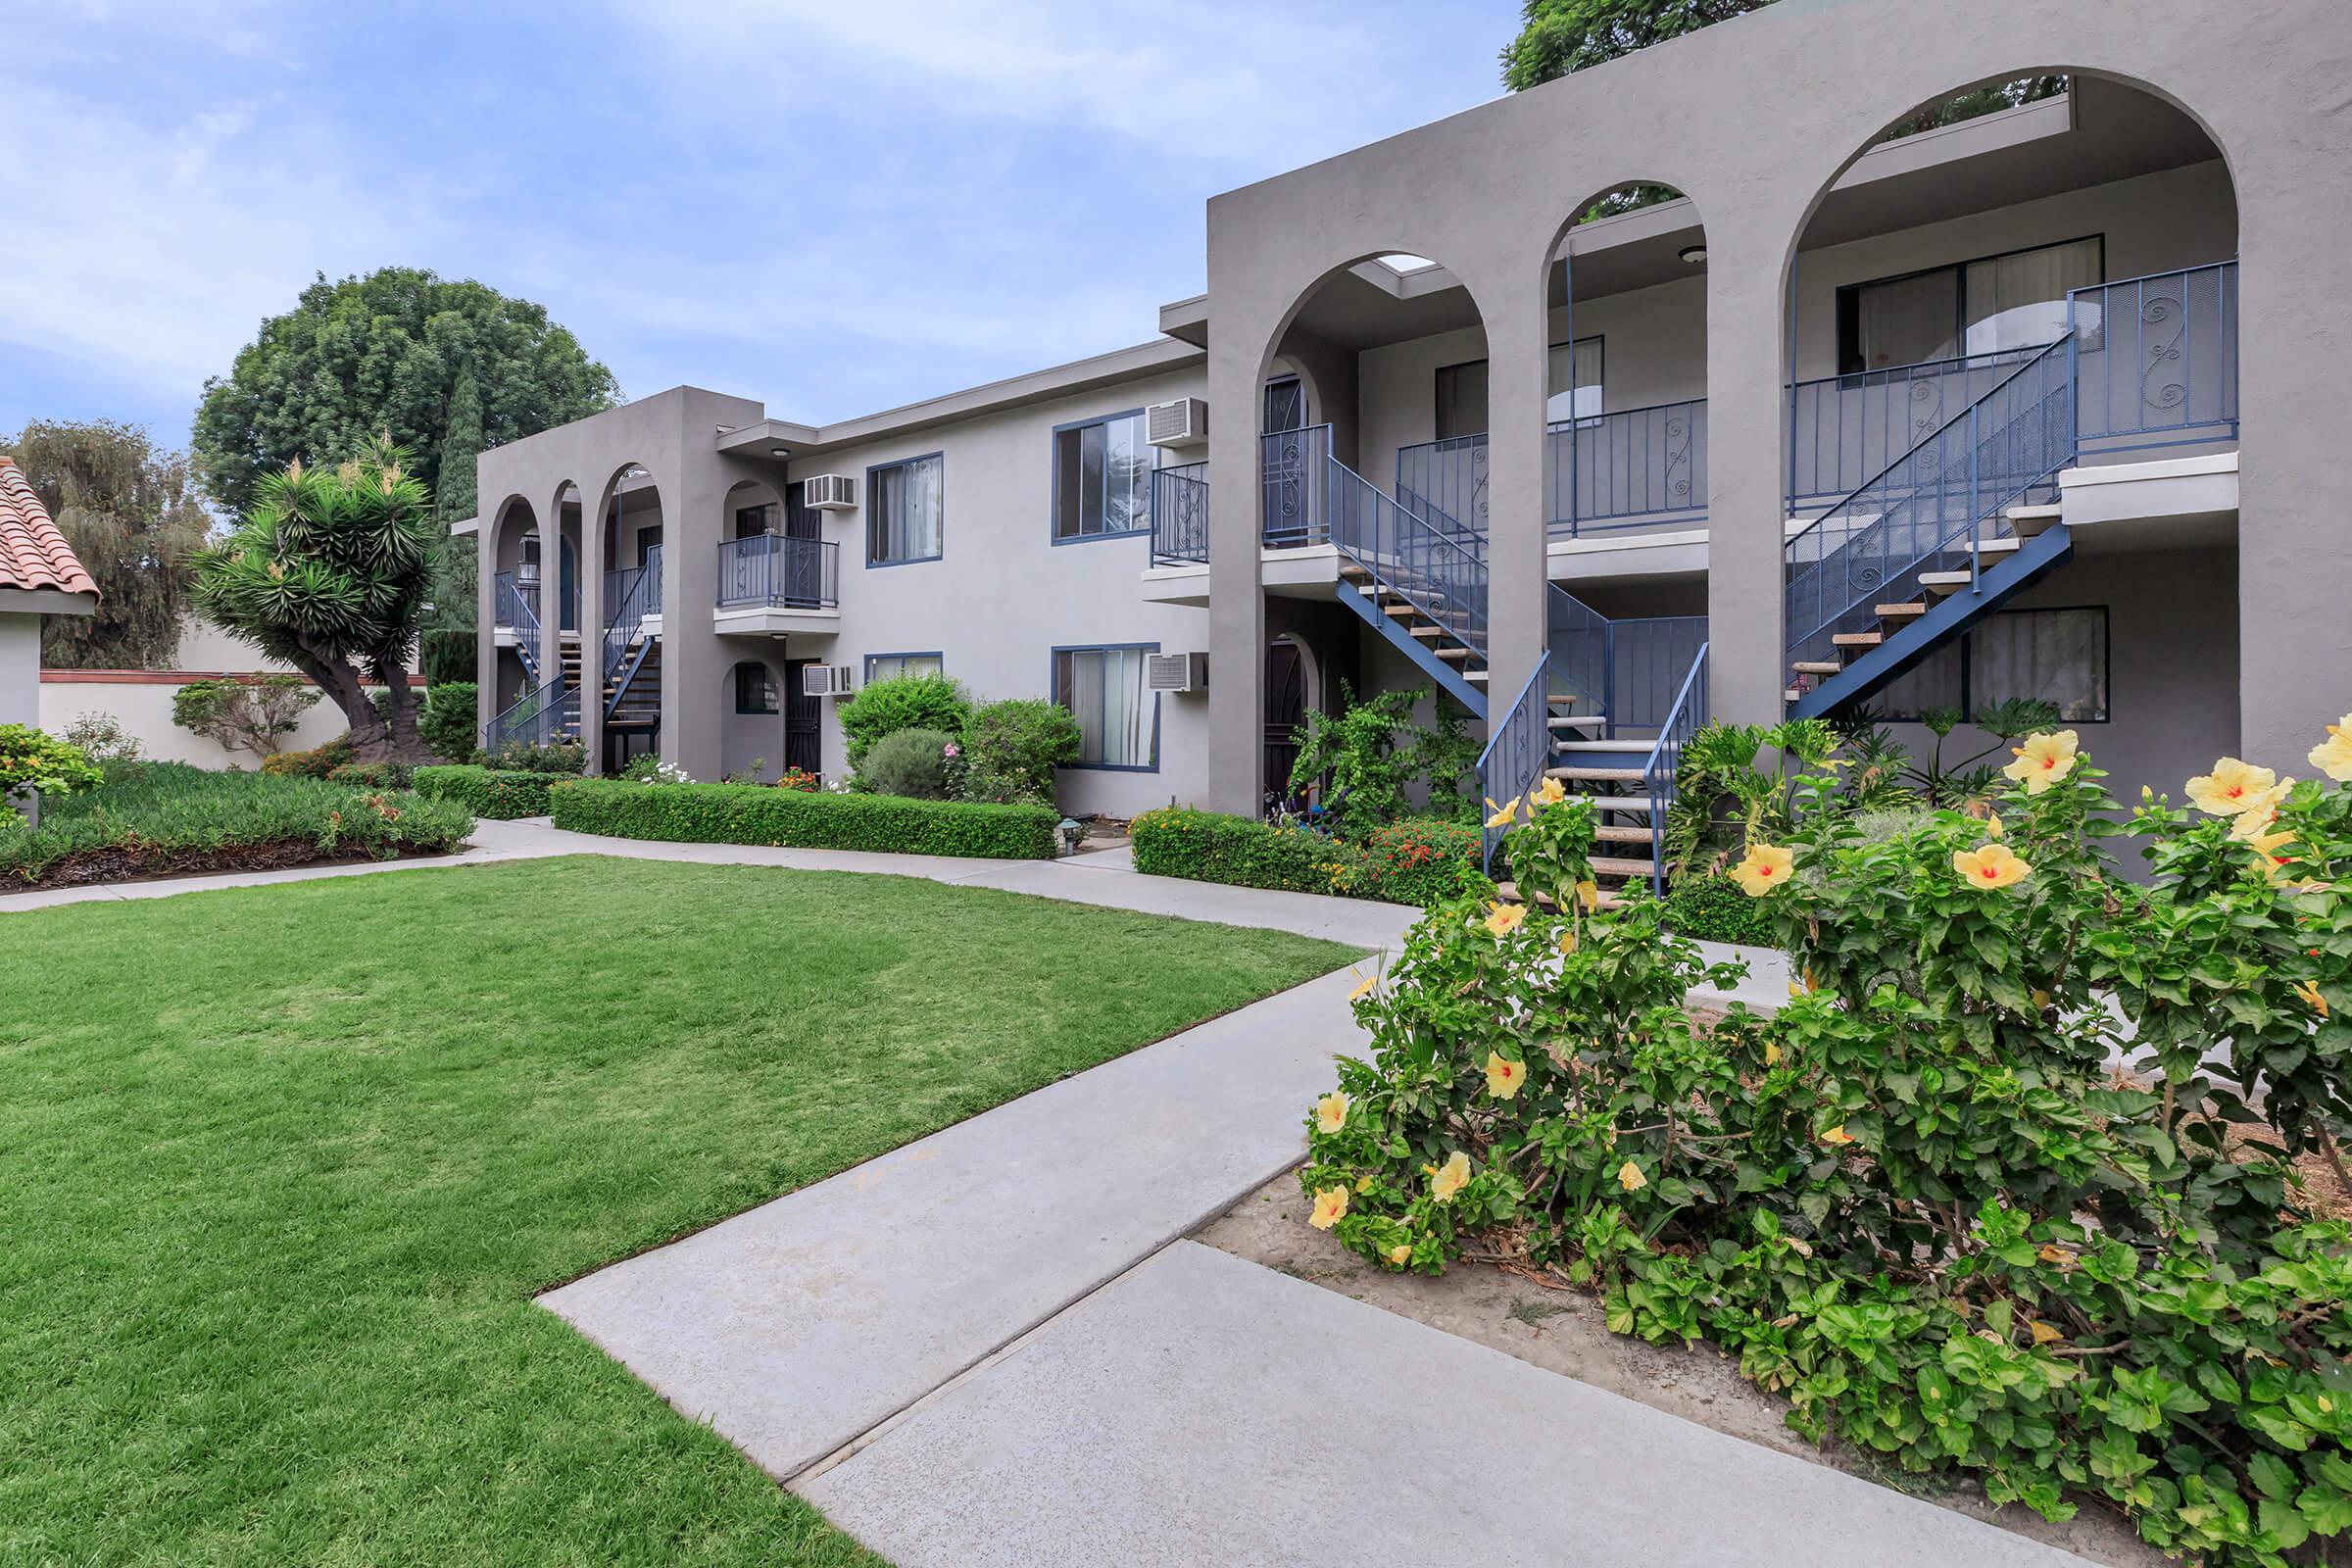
1331,1112
1995,865
1765,867
2309,991
1330,1203
1503,1075
1452,1177
2043,761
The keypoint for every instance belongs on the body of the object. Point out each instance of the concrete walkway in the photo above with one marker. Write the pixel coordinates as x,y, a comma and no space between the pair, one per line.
1203,1410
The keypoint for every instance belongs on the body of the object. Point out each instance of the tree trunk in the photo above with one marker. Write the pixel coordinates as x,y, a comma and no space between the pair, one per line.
408,744
371,737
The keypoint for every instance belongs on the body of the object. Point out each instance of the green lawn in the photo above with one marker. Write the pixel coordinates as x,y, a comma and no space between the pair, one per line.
281,1170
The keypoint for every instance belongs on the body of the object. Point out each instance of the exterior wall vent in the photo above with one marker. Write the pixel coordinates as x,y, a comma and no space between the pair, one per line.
1181,423
828,681
1176,672
832,492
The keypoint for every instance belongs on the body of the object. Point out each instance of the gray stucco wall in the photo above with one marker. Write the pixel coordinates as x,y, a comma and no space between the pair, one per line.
20,669
1766,111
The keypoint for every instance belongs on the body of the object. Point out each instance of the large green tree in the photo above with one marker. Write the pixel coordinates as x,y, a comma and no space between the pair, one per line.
1557,37
329,571
385,355
130,511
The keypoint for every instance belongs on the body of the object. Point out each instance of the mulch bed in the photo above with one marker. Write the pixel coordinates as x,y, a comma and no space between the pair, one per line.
116,863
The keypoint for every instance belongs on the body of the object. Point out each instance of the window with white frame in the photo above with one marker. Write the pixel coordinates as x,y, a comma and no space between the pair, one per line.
2011,300
1102,477
1118,721
2050,656
889,666
903,510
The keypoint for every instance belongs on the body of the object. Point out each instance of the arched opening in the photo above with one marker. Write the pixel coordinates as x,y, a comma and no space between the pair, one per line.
516,642
622,658
752,740
773,552
1371,495
1977,323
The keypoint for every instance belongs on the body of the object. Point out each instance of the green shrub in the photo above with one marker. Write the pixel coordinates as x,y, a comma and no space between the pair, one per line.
167,819
1011,750
245,713
922,764
372,775
30,759
1373,749
1239,851
1422,861
498,794
102,739
538,757
759,813
1713,908
1915,1200
902,701
317,762
449,720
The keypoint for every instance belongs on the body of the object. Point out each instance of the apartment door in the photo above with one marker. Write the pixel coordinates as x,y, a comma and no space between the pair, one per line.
1285,711
801,520
801,749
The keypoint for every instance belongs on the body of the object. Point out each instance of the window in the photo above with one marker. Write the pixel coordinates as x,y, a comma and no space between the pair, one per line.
754,689
1462,400
889,666
2055,656
1101,478
2012,301
1572,380
752,521
1118,721
649,540
903,510
1286,406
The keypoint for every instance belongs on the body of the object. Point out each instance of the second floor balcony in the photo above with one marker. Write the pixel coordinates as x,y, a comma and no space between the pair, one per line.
773,582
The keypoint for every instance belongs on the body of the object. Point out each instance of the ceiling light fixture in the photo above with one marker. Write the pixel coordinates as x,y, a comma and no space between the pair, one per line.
1694,254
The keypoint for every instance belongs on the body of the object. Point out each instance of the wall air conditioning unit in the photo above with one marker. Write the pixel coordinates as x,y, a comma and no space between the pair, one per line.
1181,423
831,492
1176,672
828,681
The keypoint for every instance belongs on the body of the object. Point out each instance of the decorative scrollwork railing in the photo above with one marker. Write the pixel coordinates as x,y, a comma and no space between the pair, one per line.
2156,359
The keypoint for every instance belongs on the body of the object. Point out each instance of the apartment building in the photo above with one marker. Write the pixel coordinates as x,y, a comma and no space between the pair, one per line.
1715,381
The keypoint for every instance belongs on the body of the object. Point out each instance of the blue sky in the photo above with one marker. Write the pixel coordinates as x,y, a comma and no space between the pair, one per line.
834,207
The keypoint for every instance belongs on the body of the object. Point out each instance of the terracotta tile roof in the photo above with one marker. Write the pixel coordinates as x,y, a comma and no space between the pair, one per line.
32,553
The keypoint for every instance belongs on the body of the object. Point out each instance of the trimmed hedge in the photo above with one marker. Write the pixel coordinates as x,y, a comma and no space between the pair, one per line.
1418,861
499,794
761,813
1714,909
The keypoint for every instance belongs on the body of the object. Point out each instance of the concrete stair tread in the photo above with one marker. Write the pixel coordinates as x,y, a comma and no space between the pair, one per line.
2030,522
1617,833
1622,866
1899,612
1596,775
1510,893
1455,652
1576,720
1943,584
1857,639
1817,667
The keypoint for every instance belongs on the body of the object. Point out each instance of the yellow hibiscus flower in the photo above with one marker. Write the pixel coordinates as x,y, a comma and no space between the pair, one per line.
1501,815
2043,759
2333,755
1837,1136
2267,846
1364,1186
1503,1075
1551,792
1567,941
1588,894
1504,918
1629,1177
1330,1203
1400,1254
1364,983
1772,1055
2232,788
1765,867
1995,865
2309,991
1331,1112
1450,1178
1992,824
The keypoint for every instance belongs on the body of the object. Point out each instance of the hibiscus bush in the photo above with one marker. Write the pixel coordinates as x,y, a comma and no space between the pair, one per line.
1921,1201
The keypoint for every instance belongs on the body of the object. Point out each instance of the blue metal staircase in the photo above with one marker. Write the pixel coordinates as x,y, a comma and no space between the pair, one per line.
1422,588
1962,522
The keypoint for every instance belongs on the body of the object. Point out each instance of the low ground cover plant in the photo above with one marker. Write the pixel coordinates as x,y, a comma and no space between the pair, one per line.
168,819
500,795
1418,860
1917,1201
758,814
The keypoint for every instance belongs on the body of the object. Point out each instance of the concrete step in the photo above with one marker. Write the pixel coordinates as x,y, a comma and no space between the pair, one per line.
1597,775
1909,611
2005,546
1941,584
1622,866
1457,653
1577,721
1617,833
1857,639
1818,666
2030,522
1477,677
1510,895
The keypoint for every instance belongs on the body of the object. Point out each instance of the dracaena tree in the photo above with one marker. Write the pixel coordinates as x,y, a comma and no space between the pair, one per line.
330,572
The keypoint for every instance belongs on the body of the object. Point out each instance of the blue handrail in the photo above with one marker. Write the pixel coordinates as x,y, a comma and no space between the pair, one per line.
1180,515
779,571
1517,752
2156,359
1635,468
1661,774
515,605
540,715
1429,569
1846,430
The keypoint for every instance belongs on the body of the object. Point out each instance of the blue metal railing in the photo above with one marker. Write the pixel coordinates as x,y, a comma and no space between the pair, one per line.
539,716
1636,469
631,595
1933,507
1518,749
1648,656
515,605
2156,359
1180,515
1294,509
1843,431
1576,638
1444,484
775,570
1433,571
1662,772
